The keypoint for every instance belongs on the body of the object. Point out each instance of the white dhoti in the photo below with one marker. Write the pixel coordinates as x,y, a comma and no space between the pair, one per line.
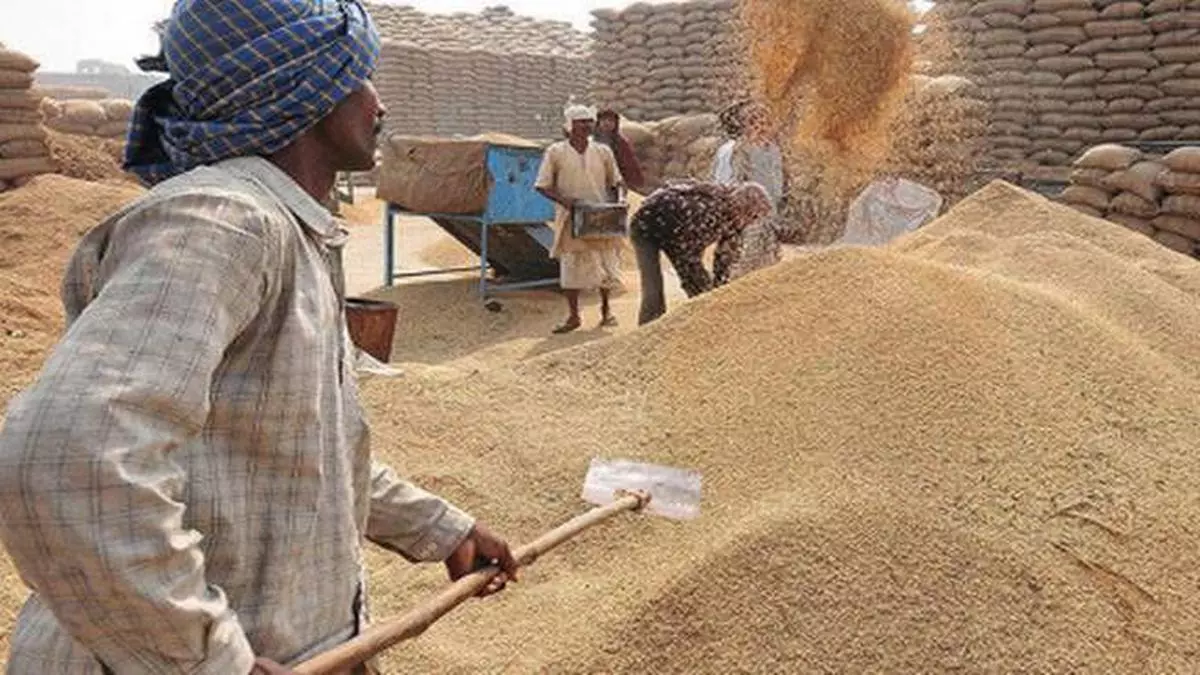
590,269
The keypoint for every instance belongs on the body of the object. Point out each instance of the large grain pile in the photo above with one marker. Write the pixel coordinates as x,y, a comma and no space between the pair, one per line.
652,61
446,74
39,226
975,455
87,157
23,151
105,118
1154,195
1067,74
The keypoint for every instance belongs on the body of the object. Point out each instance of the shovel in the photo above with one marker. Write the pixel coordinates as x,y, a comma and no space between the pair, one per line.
612,486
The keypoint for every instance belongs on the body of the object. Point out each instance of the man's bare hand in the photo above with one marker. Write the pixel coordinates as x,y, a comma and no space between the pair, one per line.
480,549
269,667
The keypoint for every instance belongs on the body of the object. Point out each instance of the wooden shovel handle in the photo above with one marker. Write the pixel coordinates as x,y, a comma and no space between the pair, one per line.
411,624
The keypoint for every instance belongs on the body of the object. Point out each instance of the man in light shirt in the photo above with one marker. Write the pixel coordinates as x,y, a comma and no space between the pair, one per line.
187,485
579,170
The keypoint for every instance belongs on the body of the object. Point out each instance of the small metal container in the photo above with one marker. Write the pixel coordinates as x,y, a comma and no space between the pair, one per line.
594,220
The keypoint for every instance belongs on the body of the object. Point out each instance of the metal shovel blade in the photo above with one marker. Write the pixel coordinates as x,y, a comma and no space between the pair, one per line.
674,493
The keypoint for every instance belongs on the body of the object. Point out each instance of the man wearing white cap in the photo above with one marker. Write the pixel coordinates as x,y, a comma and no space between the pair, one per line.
577,170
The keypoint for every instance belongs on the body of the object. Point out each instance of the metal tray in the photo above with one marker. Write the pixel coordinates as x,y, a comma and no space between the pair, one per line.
591,220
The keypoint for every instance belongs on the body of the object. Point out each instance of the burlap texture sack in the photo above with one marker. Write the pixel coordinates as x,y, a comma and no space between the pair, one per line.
22,149
1085,77
1164,6
1109,157
1133,205
434,175
20,116
14,60
17,132
1042,51
1115,60
1182,205
29,99
985,7
1189,53
1183,160
15,79
1123,10
1176,242
1078,17
1124,75
1139,225
1184,227
1059,5
1087,210
11,169
1118,28
1161,133
1118,135
1064,35
1085,135
1086,196
1094,46
1176,38
1139,179
1089,177
1179,182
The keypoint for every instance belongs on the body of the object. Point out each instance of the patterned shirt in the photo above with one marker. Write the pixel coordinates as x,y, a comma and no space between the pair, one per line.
681,220
189,482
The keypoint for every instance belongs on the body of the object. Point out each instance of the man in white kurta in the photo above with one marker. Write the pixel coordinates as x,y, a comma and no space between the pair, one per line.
578,170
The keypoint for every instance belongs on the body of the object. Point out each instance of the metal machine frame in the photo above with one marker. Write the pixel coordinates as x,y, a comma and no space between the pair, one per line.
512,202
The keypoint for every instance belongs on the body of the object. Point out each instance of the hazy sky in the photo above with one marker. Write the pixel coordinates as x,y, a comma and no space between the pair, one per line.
60,32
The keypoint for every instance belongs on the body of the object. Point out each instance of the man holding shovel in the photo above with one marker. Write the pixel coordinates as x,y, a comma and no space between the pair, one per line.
187,485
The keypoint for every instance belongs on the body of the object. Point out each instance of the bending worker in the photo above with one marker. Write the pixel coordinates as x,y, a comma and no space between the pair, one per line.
681,220
187,485
575,170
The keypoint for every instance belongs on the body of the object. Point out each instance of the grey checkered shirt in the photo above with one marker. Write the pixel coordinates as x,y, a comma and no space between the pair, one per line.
188,483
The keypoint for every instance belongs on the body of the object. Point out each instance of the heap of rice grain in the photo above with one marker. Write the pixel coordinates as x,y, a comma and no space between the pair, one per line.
40,224
87,157
969,451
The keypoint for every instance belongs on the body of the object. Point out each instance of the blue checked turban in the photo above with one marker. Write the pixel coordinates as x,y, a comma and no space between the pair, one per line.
246,78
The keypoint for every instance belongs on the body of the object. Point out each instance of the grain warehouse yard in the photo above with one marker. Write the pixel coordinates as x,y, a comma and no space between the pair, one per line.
969,449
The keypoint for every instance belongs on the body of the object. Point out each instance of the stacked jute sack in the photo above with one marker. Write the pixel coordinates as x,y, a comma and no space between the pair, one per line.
1158,196
676,148
938,138
447,92
1063,75
653,61
104,118
464,74
65,92
23,150
496,29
